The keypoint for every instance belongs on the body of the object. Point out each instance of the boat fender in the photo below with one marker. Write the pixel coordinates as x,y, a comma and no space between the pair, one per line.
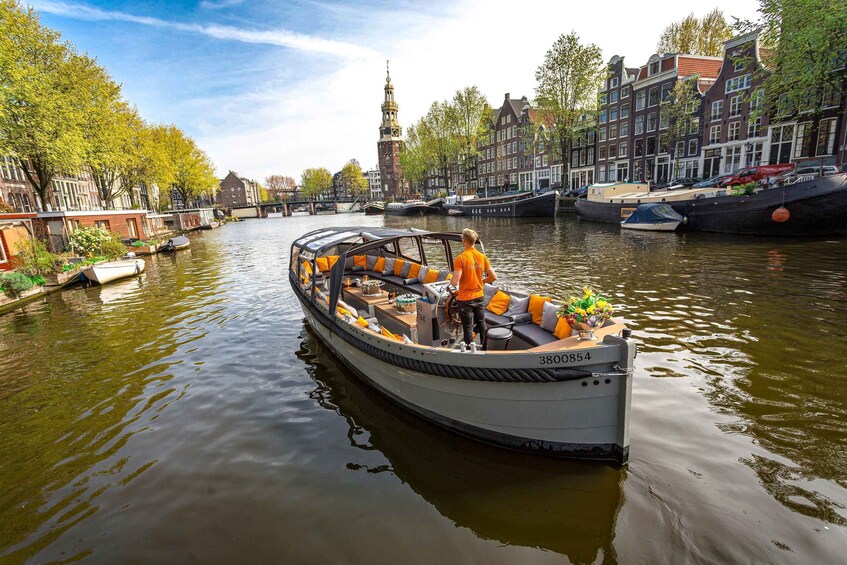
781,215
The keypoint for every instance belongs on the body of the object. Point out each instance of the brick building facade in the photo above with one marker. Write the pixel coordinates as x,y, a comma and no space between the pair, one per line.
390,145
237,192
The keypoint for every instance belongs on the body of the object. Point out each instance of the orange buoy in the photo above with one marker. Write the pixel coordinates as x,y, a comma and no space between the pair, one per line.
781,214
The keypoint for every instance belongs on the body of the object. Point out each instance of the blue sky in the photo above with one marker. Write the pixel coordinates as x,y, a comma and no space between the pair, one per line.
275,87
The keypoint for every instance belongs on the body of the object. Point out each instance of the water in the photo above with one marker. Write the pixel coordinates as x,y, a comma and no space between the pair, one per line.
188,415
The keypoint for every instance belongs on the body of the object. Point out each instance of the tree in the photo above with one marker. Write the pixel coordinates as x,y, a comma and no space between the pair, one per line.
279,185
468,111
352,180
413,159
704,36
43,98
678,110
437,134
315,181
805,55
566,90
193,172
109,147
264,196
147,163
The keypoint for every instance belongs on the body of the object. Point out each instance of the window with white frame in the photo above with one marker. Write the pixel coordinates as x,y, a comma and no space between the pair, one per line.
604,99
756,99
715,134
601,174
754,128
735,106
692,169
602,135
738,66
613,113
653,96
831,96
625,92
680,149
613,131
613,96
639,125
692,147
801,143
601,153
640,99
653,68
613,151
614,82
651,121
666,91
738,83
624,129
733,159
734,131
717,110
555,174
826,137
694,125
622,149
754,154
624,110
603,117
664,120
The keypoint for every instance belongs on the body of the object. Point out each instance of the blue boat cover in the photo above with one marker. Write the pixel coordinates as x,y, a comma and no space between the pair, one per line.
653,213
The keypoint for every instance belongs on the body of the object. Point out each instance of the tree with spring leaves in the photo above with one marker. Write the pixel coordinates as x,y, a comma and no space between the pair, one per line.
193,172
678,110
413,159
703,36
352,180
805,55
566,90
45,97
280,187
315,181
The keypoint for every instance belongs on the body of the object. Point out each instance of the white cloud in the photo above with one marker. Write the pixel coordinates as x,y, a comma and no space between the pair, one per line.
330,117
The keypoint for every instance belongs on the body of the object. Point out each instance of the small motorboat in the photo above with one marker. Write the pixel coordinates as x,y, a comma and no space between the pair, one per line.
174,244
532,388
103,273
653,217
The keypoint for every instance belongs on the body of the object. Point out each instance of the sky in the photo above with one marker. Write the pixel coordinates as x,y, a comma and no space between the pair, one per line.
275,87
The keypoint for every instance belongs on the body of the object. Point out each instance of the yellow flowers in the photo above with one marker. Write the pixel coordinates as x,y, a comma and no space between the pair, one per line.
591,309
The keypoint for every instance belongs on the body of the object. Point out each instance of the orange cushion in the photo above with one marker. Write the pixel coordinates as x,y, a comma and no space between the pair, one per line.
431,276
380,265
414,271
360,261
536,306
398,266
362,322
322,263
331,260
563,329
343,311
499,303
306,267
387,333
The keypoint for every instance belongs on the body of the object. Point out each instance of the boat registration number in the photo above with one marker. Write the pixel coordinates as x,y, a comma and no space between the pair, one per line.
564,358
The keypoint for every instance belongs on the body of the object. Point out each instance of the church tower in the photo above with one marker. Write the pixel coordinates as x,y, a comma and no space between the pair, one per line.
390,144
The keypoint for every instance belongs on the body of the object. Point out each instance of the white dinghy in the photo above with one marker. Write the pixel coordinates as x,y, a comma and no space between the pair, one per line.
532,390
103,273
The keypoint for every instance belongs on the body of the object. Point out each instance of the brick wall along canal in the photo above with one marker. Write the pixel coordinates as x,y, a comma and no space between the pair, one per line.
189,415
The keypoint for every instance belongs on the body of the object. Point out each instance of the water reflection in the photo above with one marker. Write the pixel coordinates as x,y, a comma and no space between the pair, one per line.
537,502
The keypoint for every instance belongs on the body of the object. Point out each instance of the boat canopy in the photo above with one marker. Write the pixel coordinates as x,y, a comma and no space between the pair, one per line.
654,213
360,240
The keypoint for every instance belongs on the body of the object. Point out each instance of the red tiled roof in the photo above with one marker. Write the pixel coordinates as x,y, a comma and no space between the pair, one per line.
690,65
642,73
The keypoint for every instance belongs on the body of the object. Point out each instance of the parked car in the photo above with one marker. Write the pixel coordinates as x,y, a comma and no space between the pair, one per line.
792,176
576,192
711,181
757,174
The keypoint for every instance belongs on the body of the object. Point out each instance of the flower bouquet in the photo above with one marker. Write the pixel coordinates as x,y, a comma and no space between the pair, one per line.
586,313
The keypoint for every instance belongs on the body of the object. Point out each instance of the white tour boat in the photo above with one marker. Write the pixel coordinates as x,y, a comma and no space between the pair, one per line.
529,390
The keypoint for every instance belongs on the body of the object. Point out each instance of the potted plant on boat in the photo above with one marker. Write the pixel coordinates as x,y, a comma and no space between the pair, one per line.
586,313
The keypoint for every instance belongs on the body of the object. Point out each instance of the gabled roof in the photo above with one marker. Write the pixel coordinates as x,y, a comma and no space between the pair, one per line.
706,67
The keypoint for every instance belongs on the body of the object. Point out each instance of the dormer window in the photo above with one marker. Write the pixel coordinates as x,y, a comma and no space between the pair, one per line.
654,68
613,83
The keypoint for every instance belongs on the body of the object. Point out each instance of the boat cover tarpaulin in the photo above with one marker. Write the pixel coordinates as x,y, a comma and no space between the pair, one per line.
654,213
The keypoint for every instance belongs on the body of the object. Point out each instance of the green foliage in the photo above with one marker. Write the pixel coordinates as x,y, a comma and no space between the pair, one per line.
352,179
315,181
744,189
15,283
193,173
704,36
566,90
804,55
34,259
140,243
93,241
680,108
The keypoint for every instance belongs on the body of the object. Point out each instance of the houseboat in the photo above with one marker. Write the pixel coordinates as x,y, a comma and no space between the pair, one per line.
521,205
410,208
532,389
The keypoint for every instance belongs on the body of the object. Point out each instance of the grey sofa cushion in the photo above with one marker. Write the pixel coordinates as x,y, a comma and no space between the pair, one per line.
389,266
533,334
490,290
371,262
442,275
517,306
548,317
493,319
358,268
524,318
404,272
348,263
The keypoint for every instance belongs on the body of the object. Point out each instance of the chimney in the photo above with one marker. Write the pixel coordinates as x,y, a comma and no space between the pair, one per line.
507,96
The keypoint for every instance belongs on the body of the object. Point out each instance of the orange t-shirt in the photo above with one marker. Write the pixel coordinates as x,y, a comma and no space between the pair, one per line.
473,265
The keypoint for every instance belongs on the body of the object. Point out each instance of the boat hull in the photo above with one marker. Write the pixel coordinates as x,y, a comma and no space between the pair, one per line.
108,272
542,206
565,418
373,210
413,210
817,208
664,226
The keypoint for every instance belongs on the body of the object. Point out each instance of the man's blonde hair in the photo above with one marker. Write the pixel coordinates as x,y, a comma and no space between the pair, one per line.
469,236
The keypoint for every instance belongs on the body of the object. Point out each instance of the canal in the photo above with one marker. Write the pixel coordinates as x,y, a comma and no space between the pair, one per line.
189,416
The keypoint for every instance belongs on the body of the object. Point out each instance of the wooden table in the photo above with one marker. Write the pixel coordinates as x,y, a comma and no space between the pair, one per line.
356,298
395,321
